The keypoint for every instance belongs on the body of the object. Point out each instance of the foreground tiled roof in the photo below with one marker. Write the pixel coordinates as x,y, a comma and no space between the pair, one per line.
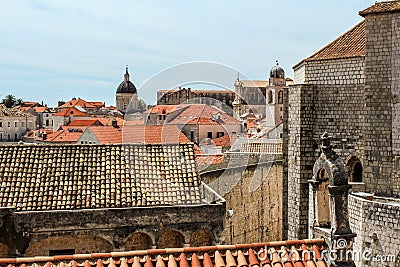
49,177
350,44
382,7
299,253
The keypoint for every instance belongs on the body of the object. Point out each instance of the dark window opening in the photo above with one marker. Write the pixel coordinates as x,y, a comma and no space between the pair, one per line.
220,134
209,135
357,175
191,135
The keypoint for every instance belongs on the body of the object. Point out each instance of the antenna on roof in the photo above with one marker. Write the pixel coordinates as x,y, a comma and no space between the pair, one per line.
237,76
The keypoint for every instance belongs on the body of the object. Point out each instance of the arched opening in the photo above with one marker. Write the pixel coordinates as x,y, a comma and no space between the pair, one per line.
322,205
202,237
171,239
270,97
355,170
73,244
280,97
138,241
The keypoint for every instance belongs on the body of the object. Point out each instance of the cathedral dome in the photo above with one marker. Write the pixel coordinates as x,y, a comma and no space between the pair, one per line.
277,72
126,87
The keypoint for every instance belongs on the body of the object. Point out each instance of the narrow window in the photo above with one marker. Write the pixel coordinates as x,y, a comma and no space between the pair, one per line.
209,135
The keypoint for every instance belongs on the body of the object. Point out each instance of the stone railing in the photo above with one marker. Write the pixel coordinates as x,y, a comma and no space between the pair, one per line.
261,147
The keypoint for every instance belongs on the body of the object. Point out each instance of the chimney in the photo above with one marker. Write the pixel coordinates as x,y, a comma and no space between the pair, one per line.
44,136
114,123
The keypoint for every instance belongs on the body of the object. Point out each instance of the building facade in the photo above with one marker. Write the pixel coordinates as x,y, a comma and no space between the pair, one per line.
349,89
15,123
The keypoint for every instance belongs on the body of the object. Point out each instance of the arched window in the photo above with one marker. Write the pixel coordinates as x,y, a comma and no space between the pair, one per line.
270,97
280,97
138,241
354,170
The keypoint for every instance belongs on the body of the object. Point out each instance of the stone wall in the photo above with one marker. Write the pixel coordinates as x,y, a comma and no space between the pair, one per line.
381,91
300,158
253,198
376,223
112,229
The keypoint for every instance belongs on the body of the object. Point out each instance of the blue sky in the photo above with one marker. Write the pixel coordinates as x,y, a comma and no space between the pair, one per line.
56,50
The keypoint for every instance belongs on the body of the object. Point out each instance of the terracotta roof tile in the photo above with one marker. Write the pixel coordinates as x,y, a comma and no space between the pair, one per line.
161,109
66,134
254,83
71,111
106,134
35,175
88,122
350,44
199,114
153,134
209,159
82,103
241,255
381,7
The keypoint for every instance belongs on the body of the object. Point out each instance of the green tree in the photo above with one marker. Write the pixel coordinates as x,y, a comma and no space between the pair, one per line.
9,101
141,104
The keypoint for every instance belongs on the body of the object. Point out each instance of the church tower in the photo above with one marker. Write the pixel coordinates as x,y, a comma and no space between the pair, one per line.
126,97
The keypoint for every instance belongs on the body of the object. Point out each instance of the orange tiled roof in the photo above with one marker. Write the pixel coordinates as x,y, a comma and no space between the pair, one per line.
97,176
254,83
209,159
88,122
350,44
381,7
107,134
199,114
225,141
66,134
153,134
108,120
298,253
159,109
40,109
82,103
71,111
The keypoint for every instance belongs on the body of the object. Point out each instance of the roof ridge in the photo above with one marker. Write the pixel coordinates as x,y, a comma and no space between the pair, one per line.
336,40
160,251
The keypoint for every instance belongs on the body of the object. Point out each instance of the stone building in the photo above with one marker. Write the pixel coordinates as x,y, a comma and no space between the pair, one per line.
14,123
222,99
126,97
62,199
350,89
262,97
196,121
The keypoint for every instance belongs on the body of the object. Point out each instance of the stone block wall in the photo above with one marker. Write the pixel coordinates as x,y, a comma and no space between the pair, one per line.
376,223
300,160
381,90
253,200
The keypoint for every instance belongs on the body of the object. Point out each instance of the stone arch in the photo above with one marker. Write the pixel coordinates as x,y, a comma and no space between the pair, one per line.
138,241
322,205
354,169
280,97
5,251
171,239
202,237
270,97
78,244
